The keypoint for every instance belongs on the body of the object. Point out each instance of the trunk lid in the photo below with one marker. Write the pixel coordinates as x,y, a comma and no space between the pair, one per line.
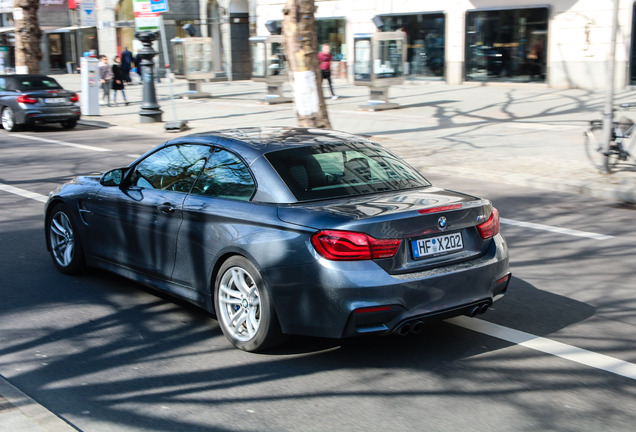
420,218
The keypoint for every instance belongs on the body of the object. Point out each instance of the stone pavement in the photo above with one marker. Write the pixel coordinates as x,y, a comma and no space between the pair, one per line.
20,413
519,134
524,134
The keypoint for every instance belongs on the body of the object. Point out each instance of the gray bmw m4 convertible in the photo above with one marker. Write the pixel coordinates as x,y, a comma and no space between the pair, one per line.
281,231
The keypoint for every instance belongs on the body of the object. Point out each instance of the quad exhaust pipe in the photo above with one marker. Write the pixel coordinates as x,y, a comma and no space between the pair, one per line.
417,326
478,309
410,327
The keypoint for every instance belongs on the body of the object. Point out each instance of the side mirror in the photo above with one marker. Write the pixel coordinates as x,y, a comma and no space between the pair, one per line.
112,177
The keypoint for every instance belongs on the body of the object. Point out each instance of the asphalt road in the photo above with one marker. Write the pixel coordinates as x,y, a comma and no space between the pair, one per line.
557,354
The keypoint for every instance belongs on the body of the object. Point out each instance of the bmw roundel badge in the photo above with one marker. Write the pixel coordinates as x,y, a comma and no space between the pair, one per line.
441,223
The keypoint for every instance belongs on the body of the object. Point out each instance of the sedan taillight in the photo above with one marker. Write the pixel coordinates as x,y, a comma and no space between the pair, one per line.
490,228
74,98
352,246
27,99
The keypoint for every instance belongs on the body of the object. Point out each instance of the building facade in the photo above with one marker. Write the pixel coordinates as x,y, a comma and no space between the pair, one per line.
561,43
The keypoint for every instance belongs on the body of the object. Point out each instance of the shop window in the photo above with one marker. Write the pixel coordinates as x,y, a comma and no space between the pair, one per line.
506,45
425,39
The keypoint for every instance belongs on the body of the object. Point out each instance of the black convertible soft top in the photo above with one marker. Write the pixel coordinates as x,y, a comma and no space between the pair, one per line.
30,82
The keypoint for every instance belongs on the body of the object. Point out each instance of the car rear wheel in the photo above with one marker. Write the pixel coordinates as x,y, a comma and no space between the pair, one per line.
243,307
64,242
69,124
8,120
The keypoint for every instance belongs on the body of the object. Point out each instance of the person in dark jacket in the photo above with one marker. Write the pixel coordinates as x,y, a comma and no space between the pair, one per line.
138,63
126,63
119,78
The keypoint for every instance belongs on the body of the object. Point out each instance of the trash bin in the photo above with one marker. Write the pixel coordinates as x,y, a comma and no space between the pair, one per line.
69,67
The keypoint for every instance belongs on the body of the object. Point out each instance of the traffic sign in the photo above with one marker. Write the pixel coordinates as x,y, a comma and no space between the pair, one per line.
159,5
88,16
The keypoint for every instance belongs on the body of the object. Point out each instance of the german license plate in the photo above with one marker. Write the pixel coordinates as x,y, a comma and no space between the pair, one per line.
438,245
54,100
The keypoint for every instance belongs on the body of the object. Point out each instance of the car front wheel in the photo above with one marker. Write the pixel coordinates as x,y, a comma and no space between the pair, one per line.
243,307
8,120
64,242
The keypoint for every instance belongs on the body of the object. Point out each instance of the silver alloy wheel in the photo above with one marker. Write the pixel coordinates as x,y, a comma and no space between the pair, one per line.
7,119
240,304
62,239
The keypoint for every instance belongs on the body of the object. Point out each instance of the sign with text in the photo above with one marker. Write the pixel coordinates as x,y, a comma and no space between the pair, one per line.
88,16
159,5
145,18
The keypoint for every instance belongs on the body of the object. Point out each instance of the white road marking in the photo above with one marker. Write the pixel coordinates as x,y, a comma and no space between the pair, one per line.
23,193
541,126
64,143
548,346
553,229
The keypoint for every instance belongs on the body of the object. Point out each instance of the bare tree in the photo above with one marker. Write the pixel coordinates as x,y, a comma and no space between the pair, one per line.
301,49
27,37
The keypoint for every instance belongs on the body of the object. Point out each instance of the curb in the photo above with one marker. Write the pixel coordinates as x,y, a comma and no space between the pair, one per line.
20,413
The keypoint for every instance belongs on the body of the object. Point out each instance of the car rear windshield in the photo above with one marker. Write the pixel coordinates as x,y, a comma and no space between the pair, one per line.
341,170
35,83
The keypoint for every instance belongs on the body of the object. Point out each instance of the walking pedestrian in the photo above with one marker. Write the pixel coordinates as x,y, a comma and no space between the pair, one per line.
138,61
105,77
126,63
324,57
119,78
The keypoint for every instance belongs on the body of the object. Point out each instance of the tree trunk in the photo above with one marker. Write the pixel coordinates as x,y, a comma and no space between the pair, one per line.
27,37
301,49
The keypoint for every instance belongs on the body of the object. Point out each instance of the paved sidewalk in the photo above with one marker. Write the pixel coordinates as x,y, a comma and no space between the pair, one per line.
20,413
513,133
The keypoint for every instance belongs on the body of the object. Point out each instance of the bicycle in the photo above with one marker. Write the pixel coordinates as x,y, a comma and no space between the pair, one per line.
621,145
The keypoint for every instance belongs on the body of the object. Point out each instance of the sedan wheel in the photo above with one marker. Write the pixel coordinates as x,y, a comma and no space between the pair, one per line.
243,308
64,243
8,120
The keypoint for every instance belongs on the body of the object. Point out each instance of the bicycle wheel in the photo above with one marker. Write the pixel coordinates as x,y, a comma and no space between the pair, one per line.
629,145
595,149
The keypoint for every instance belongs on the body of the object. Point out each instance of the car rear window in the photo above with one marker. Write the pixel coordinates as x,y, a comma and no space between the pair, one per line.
35,83
342,170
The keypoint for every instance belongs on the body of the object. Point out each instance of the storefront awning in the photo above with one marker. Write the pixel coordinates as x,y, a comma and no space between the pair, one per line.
64,29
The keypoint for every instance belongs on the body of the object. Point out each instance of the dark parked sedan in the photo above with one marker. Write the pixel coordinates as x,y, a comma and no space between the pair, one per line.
29,99
285,231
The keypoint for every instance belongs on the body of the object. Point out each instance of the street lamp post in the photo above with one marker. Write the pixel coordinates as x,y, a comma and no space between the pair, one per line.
608,115
150,111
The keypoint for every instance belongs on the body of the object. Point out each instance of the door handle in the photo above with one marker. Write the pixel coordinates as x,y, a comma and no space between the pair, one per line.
166,208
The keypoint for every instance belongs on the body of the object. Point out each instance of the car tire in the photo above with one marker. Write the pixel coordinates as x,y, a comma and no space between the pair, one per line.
69,124
8,120
64,242
243,307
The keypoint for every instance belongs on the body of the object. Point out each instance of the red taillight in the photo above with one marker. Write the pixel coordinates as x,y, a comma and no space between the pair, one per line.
352,246
440,209
74,98
490,228
27,99
373,309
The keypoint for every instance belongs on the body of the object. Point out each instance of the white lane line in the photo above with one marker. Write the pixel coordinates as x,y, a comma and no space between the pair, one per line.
64,143
553,229
559,349
23,193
